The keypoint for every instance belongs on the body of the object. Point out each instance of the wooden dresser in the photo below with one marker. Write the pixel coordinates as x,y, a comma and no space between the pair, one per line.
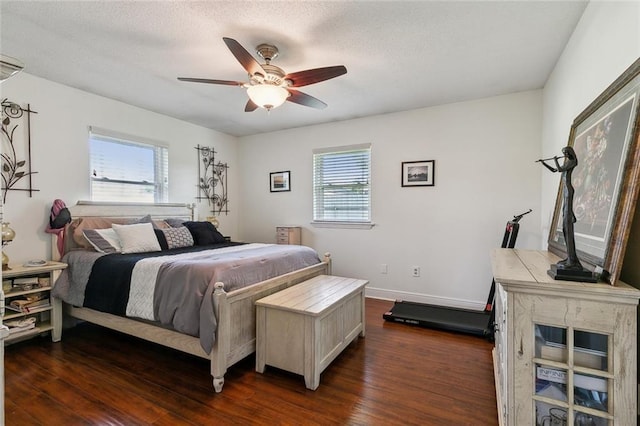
288,235
565,351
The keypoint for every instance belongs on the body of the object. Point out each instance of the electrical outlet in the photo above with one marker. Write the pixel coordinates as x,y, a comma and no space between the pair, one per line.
415,271
383,268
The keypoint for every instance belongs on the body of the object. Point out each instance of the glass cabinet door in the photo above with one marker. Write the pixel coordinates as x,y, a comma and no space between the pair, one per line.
573,377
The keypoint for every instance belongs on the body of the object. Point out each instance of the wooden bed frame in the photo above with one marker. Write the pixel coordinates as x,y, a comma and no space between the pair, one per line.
235,335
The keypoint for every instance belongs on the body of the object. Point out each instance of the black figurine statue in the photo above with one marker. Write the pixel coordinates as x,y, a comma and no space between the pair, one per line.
569,269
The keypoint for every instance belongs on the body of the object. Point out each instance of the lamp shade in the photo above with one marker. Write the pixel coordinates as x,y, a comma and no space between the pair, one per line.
267,95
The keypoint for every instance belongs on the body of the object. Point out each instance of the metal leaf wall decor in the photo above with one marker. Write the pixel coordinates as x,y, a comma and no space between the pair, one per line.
15,168
212,183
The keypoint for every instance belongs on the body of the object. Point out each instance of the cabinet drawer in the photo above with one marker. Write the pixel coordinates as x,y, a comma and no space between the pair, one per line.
288,234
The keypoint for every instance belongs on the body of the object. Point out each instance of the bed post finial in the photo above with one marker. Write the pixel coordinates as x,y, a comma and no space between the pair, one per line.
327,260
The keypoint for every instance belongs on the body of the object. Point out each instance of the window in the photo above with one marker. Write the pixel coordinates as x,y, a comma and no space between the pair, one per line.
126,168
342,185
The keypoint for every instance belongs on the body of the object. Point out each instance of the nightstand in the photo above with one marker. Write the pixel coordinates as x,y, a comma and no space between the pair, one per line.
27,294
288,234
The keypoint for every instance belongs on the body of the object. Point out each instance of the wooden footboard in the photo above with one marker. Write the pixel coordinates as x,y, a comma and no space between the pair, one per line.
237,308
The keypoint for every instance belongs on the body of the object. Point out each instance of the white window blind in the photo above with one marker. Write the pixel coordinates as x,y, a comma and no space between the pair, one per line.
127,168
342,184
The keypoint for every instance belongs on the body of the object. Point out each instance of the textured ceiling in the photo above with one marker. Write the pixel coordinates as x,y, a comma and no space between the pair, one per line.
399,55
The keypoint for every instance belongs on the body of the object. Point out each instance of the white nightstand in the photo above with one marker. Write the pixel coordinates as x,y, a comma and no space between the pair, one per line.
30,283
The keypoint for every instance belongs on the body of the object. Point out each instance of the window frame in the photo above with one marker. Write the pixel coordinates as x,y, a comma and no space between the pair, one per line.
160,163
330,223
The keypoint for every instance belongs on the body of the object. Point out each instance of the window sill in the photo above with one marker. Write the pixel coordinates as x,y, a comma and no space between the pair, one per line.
343,225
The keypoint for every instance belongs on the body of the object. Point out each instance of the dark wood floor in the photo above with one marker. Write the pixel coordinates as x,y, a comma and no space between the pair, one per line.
398,374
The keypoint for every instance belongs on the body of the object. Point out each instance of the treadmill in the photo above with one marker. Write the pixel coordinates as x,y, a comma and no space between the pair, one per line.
467,321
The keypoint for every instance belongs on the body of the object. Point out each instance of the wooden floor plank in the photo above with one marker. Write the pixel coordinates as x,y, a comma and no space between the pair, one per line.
398,374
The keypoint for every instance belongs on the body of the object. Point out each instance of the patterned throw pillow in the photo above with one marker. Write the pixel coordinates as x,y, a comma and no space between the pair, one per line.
103,240
178,237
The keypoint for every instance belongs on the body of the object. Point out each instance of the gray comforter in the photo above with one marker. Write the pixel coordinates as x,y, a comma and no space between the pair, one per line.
176,290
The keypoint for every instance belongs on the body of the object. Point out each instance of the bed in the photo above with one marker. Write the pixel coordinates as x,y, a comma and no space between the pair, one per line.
234,333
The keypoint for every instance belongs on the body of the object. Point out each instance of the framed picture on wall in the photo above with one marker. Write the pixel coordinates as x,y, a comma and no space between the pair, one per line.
606,181
280,181
418,173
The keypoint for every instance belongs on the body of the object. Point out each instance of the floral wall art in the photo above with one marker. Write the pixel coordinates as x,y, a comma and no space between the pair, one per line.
16,149
212,180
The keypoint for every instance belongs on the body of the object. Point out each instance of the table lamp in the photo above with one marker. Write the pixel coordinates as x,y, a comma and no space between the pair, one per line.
8,235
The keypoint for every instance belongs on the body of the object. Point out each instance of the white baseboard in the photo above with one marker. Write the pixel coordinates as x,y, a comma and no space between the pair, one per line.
379,293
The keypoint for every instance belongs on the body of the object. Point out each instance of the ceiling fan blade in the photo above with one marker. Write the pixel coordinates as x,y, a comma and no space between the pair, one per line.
304,78
209,81
251,106
246,60
304,99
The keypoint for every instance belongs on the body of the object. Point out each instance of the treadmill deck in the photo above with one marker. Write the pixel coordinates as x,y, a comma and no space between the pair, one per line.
440,317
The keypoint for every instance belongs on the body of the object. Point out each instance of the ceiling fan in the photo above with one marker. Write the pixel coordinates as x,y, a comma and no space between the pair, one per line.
269,86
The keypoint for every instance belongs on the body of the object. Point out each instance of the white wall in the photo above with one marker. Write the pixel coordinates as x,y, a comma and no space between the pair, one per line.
605,42
485,173
59,145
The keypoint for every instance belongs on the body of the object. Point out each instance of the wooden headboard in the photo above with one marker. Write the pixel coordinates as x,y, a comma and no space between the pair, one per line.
125,211
132,210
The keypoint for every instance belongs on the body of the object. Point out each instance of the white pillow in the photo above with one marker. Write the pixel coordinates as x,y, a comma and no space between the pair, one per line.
103,240
138,238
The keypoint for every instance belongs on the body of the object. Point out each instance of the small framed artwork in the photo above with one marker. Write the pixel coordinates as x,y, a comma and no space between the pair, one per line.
418,173
280,181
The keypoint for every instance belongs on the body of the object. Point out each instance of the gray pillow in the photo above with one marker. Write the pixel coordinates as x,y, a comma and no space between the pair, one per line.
174,222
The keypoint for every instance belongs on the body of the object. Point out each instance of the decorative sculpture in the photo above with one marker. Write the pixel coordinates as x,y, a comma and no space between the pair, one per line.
569,269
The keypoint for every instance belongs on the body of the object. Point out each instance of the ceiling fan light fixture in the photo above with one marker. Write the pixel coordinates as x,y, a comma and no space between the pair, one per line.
269,86
267,96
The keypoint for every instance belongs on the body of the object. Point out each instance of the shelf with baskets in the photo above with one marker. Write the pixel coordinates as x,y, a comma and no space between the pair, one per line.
28,308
